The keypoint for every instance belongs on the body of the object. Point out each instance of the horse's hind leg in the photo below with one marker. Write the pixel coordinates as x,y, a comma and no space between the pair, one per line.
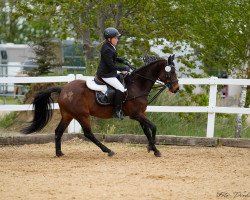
58,135
85,123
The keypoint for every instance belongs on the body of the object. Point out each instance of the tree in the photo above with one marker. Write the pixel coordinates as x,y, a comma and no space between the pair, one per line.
86,20
46,57
217,29
10,28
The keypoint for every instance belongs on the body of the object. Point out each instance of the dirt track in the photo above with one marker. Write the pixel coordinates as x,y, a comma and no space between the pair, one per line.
33,172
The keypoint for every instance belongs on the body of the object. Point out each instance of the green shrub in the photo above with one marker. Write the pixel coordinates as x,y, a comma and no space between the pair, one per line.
7,120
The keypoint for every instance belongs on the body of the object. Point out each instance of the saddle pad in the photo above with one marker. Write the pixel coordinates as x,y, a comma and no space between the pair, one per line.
93,86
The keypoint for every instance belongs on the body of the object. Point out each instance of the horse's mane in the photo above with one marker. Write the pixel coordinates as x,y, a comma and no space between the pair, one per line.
148,60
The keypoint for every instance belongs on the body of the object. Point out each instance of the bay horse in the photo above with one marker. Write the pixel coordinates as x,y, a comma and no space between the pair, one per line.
77,101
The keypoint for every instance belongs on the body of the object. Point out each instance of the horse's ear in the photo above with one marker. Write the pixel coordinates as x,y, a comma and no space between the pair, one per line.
171,59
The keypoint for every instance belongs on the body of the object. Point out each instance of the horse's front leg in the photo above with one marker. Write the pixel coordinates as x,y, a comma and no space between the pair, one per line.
147,126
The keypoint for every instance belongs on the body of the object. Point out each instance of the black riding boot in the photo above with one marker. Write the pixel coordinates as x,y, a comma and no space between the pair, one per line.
119,97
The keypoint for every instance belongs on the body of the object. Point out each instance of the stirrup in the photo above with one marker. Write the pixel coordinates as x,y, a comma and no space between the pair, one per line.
118,114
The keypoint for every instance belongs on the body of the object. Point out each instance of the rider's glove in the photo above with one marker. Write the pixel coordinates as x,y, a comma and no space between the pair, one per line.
127,68
126,62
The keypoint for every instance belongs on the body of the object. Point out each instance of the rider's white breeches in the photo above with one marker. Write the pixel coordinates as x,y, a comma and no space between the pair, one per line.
114,82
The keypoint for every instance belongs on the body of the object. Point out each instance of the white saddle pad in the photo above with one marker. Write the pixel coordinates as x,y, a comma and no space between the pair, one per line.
93,86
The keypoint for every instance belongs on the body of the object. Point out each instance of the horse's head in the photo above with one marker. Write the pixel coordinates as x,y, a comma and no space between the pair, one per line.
168,75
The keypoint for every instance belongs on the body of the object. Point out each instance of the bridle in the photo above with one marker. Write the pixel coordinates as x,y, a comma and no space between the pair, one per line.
161,87
168,76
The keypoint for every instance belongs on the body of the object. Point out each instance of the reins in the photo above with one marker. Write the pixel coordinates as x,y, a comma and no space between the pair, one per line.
162,88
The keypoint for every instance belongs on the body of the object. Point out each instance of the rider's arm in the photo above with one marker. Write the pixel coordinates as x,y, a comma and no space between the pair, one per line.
120,60
107,57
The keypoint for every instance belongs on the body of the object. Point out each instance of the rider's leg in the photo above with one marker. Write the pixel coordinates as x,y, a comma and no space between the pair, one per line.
119,96
118,101
114,82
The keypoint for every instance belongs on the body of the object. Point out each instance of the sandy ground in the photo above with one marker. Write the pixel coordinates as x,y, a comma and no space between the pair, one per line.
33,172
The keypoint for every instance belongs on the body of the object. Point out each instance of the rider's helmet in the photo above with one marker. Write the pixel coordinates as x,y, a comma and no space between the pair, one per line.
111,32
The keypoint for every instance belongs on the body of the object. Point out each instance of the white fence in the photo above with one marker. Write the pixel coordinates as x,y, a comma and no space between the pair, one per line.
211,109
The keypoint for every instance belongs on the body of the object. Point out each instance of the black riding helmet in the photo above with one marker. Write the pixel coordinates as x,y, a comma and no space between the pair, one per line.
111,32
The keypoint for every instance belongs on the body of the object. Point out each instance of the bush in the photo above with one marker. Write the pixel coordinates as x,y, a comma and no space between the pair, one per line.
8,120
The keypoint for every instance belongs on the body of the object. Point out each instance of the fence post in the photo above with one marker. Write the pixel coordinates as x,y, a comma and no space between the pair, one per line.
211,107
77,126
74,126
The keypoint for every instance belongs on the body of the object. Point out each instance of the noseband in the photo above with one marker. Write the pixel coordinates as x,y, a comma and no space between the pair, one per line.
168,69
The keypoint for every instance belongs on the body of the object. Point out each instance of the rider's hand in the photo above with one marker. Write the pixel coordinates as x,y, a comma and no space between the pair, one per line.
126,62
127,68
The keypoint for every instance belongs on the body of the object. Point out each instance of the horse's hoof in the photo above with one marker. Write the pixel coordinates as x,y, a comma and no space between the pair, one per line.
111,153
157,154
149,148
59,154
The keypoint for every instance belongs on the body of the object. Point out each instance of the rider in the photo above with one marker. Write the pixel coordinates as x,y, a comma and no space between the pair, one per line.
107,69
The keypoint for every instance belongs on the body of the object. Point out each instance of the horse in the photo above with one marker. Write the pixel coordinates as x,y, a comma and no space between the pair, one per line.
77,101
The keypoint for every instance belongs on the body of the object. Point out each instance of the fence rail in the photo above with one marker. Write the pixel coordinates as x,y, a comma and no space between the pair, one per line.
211,109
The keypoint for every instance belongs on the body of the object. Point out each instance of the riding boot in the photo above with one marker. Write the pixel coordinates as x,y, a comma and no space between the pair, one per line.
119,97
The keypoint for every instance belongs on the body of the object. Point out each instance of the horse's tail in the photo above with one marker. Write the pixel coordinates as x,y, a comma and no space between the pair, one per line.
43,110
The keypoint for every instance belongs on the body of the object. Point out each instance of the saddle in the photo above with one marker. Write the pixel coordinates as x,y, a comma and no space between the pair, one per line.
104,93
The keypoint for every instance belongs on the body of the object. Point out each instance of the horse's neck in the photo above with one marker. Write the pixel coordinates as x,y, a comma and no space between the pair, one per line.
145,79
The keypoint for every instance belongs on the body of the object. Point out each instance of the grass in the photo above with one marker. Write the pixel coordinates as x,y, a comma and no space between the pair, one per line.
7,120
9,100
225,126
180,124
172,124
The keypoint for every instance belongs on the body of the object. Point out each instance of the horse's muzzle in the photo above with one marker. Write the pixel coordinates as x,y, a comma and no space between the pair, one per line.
176,90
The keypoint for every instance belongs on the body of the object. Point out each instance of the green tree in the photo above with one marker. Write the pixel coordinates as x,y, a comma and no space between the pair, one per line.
10,26
46,56
218,29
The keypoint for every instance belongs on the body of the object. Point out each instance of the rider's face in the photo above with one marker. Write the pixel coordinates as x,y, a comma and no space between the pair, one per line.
114,40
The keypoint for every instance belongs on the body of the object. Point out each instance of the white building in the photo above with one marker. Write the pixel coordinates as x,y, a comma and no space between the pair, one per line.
16,54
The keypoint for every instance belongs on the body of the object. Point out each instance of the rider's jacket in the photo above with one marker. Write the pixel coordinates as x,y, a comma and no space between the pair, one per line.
107,67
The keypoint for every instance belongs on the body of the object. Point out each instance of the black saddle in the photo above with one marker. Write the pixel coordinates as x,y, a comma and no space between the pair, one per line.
108,97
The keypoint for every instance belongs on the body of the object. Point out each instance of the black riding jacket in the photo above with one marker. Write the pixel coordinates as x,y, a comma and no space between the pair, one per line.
107,67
